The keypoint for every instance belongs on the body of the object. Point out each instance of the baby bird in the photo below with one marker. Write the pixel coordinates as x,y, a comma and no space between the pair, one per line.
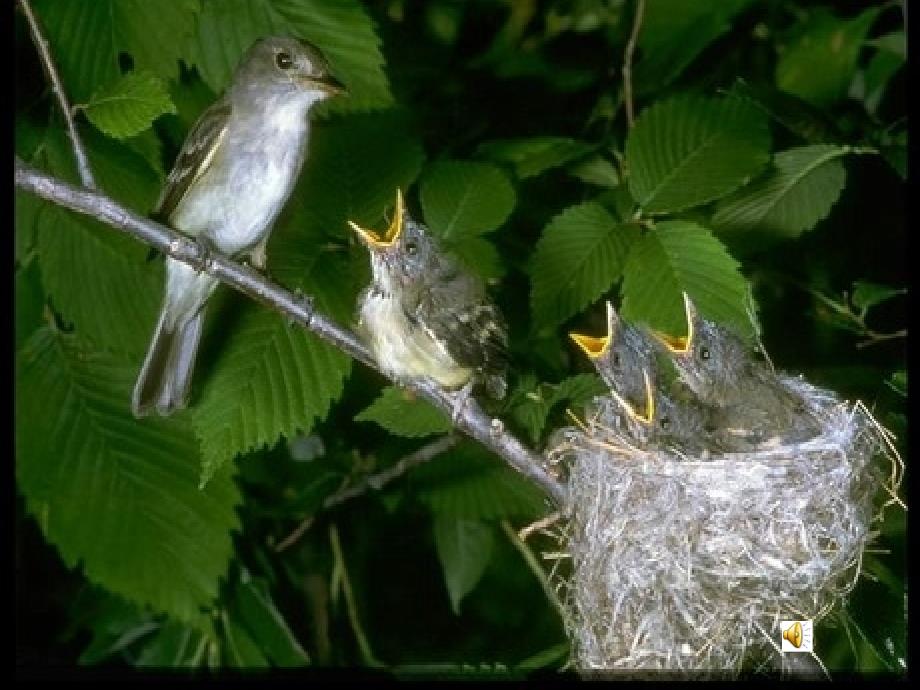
423,315
752,406
625,359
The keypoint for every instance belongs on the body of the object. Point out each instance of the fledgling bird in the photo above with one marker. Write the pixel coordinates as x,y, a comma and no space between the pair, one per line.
424,315
626,360
752,405
233,174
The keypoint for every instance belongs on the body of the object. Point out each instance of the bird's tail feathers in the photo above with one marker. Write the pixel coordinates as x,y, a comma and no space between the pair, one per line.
165,377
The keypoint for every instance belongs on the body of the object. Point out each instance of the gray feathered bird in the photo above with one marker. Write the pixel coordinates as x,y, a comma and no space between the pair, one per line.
626,360
424,315
751,404
233,174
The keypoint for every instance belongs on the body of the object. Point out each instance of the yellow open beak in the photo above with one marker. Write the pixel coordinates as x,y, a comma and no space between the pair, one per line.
591,346
646,417
594,347
680,345
372,239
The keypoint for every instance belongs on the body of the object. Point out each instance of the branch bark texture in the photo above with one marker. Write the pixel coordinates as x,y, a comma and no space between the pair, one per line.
296,307
44,54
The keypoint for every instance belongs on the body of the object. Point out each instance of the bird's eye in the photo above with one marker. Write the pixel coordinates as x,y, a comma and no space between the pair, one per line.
284,60
411,249
665,422
616,359
704,353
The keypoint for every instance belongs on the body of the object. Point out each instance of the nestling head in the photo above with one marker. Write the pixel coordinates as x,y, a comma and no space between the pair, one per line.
404,251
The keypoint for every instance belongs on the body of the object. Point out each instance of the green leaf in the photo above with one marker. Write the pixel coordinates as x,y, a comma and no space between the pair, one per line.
115,623
532,403
341,30
30,301
465,198
87,37
130,105
579,256
469,482
531,156
679,256
866,295
791,198
674,33
689,150
596,170
898,382
268,379
26,210
818,64
886,62
403,417
98,279
178,645
797,116
117,495
464,549
480,256
254,610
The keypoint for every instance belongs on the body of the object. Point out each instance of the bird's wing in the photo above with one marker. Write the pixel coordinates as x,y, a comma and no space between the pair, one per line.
195,157
458,313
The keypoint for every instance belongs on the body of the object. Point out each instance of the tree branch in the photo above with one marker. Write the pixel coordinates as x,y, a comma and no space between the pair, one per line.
297,308
375,481
627,62
44,53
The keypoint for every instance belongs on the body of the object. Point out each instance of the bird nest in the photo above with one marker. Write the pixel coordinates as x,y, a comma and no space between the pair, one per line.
687,564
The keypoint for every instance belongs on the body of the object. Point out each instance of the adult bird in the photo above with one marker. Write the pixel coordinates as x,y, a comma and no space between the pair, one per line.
233,175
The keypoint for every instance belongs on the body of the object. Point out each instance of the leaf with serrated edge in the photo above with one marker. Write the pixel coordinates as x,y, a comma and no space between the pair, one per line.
269,379
679,256
799,191
580,255
465,198
130,105
464,549
403,417
152,33
118,495
689,150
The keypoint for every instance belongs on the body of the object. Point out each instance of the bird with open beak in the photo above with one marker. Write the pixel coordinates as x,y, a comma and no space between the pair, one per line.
423,315
752,405
625,357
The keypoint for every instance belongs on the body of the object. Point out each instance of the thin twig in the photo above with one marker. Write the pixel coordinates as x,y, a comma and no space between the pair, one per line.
44,53
540,524
298,308
365,647
627,62
534,566
375,482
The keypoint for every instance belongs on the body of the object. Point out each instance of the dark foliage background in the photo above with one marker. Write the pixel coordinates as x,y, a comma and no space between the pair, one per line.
505,121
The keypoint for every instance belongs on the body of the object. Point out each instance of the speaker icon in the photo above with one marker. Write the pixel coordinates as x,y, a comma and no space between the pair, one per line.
797,636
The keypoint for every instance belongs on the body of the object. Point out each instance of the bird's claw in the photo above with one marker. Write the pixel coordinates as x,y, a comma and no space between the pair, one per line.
204,251
461,399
